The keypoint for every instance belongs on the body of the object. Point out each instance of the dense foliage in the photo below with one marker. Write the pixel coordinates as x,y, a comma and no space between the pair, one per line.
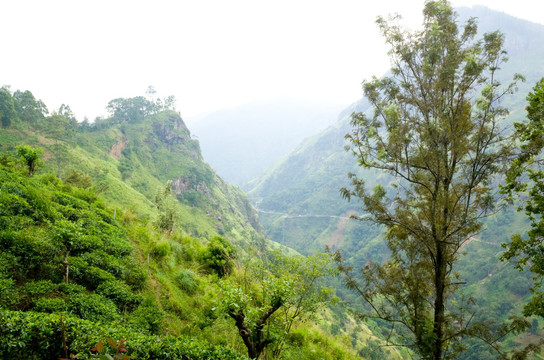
134,237
30,335
62,251
527,177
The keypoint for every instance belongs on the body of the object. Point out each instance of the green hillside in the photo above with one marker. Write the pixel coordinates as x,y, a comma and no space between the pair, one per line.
119,229
307,181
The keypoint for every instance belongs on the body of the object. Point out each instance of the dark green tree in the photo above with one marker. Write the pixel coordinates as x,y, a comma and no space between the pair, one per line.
435,131
130,110
526,177
7,108
29,109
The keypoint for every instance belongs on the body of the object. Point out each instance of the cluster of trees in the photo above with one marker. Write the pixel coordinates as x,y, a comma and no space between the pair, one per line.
436,131
23,106
136,108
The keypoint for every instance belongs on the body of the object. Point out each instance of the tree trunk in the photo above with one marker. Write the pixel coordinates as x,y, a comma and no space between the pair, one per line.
254,341
439,308
245,333
66,267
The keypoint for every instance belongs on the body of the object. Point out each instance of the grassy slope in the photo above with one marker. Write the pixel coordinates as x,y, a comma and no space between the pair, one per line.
177,283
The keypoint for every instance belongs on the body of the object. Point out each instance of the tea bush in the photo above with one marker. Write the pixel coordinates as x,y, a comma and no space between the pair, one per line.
31,335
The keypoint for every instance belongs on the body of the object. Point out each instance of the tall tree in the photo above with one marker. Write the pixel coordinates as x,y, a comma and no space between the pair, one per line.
526,176
435,131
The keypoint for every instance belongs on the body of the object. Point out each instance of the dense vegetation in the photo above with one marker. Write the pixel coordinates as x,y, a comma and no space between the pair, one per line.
117,238
118,230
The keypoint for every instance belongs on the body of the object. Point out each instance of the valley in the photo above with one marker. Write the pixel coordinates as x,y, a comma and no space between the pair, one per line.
241,235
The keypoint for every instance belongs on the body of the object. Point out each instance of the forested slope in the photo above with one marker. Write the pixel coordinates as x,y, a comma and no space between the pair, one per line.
119,229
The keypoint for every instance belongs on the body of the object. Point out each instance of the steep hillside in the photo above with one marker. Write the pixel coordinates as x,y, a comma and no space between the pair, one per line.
120,230
134,159
160,149
307,181
299,202
241,142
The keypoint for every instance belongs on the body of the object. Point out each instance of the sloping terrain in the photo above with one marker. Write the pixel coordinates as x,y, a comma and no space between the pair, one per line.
300,205
307,181
243,141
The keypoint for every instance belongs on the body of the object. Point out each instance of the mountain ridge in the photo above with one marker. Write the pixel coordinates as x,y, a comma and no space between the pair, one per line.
240,142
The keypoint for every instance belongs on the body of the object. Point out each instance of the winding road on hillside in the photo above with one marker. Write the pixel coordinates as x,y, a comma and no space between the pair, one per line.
302,216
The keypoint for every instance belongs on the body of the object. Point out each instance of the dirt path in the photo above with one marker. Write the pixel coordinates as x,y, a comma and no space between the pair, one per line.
338,234
472,238
115,151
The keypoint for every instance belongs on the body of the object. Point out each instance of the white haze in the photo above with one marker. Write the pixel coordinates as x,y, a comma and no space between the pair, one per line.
209,54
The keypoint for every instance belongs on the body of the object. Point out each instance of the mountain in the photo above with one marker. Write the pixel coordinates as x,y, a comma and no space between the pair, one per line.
241,142
300,205
136,158
307,181
119,232
299,200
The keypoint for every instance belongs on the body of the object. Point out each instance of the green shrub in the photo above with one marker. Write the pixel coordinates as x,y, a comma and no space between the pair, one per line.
120,293
148,317
92,277
218,256
186,280
30,335
133,274
93,307
39,288
8,264
70,289
9,293
50,305
161,249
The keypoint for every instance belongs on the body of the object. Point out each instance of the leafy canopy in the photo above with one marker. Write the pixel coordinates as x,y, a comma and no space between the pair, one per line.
526,177
267,295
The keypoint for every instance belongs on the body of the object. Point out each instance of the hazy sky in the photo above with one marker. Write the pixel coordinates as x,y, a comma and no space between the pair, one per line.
209,54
